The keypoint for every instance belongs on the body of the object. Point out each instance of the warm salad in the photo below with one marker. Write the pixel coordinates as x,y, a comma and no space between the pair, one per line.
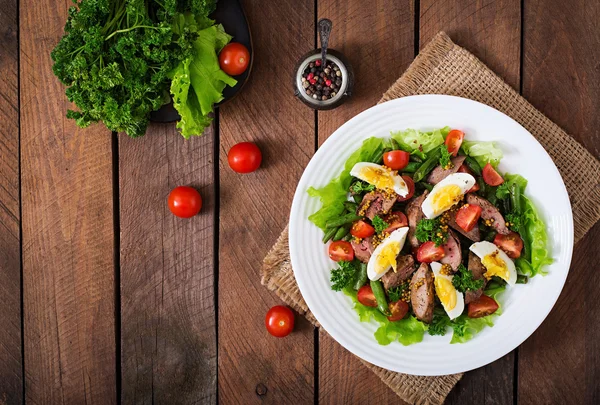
426,233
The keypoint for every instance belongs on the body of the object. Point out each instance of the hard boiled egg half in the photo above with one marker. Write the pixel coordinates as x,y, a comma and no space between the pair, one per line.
381,177
446,194
452,300
496,262
385,255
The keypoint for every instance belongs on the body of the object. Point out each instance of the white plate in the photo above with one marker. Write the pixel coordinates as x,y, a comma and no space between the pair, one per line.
524,306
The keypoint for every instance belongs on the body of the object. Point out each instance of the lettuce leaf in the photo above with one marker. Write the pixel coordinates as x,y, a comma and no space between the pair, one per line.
412,139
334,194
466,328
197,82
406,331
483,152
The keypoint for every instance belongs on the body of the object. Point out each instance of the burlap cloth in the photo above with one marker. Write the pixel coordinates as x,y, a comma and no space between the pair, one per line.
445,68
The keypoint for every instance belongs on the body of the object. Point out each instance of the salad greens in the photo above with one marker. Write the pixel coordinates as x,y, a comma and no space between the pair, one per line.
413,140
463,280
118,57
379,224
483,152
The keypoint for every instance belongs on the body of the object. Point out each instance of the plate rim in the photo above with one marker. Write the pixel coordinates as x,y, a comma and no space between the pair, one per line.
317,156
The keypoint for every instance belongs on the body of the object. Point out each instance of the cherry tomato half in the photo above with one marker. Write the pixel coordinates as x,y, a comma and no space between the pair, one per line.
279,321
366,297
454,140
396,159
428,252
484,306
491,176
341,250
396,220
234,59
465,169
411,188
361,229
399,309
244,157
185,202
467,216
512,244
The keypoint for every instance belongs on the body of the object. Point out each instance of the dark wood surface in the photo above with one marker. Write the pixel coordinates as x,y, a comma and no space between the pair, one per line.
107,298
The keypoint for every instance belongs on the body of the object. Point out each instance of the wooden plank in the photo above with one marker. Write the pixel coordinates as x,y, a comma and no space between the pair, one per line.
490,30
379,42
254,366
561,78
168,330
68,235
11,378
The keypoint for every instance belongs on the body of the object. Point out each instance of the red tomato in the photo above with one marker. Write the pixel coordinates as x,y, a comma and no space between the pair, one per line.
428,252
399,309
185,202
361,229
464,169
341,250
366,297
491,176
411,188
474,188
244,157
396,220
467,216
454,140
234,59
396,159
482,307
279,321
512,244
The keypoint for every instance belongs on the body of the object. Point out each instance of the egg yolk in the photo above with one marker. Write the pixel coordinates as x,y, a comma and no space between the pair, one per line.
446,292
388,257
445,198
495,266
380,178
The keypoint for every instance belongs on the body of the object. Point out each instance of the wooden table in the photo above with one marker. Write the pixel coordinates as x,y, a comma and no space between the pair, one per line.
108,298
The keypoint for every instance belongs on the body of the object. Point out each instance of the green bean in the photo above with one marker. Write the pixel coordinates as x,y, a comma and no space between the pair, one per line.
348,237
350,206
428,165
343,220
489,236
411,167
342,231
329,234
473,165
426,185
379,294
378,157
515,198
395,144
522,279
357,198
361,277
506,205
481,185
417,154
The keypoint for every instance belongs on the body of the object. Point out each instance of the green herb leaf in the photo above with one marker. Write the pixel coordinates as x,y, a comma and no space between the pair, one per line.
379,224
343,276
503,191
395,293
430,230
463,280
514,221
440,323
359,187
445,158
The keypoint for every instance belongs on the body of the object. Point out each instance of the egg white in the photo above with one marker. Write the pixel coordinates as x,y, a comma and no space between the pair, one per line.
374,271
460,300
484,248
463,180
400,186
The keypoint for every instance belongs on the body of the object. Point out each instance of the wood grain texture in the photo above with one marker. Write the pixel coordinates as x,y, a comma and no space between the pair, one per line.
68,235
491,30
561,77
11,369
168,330
255,367
378,39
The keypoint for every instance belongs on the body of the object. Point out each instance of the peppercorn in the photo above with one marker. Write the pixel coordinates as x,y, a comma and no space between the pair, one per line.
321,80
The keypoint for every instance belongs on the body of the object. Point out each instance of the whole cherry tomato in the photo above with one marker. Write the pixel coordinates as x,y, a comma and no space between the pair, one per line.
185,202
234,59
244,157
279,321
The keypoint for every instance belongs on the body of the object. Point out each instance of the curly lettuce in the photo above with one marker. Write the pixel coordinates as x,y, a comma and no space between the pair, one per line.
483,152
334,194
411,140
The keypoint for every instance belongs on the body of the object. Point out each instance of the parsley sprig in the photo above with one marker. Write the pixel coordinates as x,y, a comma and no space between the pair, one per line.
395,293
343,276
503,191
358,187
463,280
379,224
431,230
445,158
439,324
